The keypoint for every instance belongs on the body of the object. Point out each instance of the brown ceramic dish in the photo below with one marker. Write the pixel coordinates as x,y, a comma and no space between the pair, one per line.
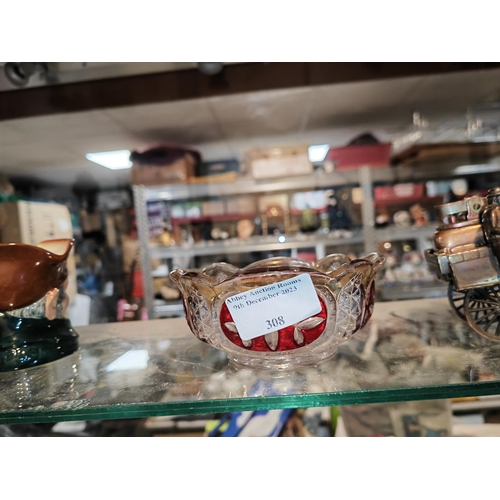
29,272
33,301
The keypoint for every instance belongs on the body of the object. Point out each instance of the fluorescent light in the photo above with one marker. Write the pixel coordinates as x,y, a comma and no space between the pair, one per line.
114,160
318,152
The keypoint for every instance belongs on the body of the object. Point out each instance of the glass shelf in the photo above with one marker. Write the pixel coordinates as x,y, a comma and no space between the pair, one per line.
410,350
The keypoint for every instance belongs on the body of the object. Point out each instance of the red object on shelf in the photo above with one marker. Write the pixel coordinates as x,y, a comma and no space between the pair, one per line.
137,285
307,256
367,155
399,193
434,200
286,340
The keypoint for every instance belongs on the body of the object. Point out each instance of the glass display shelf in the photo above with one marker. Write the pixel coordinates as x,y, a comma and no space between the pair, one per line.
410,350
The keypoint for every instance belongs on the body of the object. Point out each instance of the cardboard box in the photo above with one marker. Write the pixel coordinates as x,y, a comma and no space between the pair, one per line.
215,178
180,171
32,222
279,162
217,168
241,205
215,207
405,192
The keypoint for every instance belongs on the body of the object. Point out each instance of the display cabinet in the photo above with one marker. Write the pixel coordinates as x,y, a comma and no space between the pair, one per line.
365,238
142,369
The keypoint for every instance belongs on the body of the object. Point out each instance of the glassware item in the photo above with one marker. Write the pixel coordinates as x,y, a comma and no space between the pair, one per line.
345,289
33,303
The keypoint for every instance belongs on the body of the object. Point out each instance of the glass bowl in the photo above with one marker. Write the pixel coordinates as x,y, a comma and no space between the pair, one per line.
343,291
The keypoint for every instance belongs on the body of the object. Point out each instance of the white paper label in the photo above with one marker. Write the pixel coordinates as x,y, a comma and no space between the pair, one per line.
272,307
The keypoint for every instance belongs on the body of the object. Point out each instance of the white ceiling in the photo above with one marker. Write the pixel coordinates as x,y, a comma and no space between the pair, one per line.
52,148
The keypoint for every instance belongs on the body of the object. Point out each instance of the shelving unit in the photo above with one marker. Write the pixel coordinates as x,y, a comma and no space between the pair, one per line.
157,368
321,242
255,244
258,244
317,180
212,218
482,403
365,178
284,242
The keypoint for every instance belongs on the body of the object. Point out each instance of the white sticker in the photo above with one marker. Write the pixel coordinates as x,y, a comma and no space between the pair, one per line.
272,307
63,225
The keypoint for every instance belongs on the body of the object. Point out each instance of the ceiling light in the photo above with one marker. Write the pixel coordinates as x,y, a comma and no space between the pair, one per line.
318,153
114,160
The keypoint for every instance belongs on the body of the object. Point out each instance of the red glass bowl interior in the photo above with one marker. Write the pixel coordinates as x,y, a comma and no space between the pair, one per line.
286,341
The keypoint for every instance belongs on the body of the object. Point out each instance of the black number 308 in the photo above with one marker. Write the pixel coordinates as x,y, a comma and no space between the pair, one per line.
275,322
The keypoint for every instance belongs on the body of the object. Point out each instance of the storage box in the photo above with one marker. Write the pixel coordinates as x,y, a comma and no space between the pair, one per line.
279,162
154,175
241,205
32,222
408,192
367,155
216,207
217,168
164,165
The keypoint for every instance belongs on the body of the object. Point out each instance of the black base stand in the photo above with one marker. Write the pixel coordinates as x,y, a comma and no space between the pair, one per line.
28,342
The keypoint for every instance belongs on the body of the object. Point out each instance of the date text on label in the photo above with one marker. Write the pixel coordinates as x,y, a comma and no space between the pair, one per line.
272,307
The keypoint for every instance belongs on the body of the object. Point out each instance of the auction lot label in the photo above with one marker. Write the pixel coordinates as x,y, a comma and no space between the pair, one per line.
273,307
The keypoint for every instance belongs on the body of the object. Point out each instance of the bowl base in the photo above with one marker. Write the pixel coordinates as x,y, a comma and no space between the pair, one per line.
279,361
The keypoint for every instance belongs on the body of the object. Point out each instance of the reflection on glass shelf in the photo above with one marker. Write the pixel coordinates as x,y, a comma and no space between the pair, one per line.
408,291
419,350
